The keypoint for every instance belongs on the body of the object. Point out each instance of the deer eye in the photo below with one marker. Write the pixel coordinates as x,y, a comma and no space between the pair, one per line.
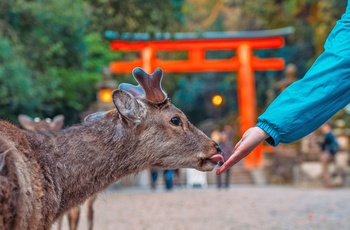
176,121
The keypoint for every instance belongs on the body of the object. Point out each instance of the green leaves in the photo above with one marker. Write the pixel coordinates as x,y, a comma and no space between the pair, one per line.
135,15
52,53
38,40
15,90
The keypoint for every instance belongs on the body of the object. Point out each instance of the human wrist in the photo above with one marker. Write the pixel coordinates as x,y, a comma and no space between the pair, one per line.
262,134
271,134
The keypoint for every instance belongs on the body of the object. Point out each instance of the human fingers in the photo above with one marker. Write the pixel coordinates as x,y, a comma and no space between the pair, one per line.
250,140
238,155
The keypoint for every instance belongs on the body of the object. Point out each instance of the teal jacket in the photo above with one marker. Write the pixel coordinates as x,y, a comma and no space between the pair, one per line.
325,89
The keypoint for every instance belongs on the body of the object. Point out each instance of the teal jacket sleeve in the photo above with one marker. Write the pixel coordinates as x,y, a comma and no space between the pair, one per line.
325,89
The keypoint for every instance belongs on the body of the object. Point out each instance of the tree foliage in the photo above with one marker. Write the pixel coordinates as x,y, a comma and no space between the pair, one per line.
53,52
135,16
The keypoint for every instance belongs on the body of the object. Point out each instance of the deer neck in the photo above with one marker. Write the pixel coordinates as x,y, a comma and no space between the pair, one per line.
88,158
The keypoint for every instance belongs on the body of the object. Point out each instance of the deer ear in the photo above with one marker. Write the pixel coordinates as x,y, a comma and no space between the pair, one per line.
94,117
57,122
26,122
127,105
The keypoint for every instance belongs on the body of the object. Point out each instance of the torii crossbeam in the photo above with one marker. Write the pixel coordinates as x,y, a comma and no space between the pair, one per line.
245,63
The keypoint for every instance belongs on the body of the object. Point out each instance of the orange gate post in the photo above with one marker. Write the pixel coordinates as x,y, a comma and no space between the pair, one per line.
246,97
196,46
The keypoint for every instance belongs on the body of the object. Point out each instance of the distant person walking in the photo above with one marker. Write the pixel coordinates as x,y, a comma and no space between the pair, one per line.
329,149
226,143
154,178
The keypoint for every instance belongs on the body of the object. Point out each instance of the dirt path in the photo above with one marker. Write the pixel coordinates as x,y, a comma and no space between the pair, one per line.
237,208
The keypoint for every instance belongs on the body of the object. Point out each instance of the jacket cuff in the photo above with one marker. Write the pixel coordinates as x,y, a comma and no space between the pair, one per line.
274,138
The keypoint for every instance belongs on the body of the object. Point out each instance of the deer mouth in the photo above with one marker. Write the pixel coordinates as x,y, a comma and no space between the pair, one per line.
213,160
208,164
216,158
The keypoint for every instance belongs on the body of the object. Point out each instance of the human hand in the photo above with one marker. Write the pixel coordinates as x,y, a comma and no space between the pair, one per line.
250,140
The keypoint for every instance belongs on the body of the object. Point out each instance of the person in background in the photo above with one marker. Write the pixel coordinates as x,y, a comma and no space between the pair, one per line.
168,176
307,103
154,178
329,148
226,143
216,135
290,76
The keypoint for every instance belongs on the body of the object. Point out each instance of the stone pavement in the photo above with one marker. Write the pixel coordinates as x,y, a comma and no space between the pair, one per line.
240,207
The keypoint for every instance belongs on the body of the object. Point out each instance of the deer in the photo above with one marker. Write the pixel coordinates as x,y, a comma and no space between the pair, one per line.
57,123
44,174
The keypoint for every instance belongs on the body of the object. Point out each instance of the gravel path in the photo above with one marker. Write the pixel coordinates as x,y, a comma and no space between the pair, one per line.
243,207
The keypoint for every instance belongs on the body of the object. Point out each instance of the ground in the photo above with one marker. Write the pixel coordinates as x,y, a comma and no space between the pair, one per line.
240,207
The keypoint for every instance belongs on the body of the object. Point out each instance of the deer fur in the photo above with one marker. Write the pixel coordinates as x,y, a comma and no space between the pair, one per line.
57,123
43,174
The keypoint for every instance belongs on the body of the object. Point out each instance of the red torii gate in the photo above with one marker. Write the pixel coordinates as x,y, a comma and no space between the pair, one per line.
196,45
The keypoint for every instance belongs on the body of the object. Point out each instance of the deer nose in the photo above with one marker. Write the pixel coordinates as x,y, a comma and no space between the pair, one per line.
218,148
220,151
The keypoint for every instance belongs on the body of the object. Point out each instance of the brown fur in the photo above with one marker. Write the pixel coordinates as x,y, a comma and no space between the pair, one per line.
44,174
55,124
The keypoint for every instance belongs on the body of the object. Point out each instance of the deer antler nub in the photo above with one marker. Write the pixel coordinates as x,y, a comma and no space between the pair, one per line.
149,85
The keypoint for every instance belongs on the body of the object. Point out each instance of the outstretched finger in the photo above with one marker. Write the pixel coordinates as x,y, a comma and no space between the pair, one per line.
250,140
229,163
234,159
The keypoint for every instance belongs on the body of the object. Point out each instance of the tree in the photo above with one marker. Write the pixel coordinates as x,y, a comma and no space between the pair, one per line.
135,15
53,52
43,37
15,91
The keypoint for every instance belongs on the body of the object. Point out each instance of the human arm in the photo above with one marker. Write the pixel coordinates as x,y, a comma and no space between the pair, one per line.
308,103
311,101
299,110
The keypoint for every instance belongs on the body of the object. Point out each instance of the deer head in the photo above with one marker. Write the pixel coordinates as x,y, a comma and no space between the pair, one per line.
41,124
163,133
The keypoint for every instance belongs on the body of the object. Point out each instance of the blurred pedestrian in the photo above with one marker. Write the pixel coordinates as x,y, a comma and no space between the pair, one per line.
329,149
168,176
307,103
154,178
177,177
216,135
290,76
226,144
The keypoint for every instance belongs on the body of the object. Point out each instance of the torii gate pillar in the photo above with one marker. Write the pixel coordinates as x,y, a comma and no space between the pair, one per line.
246,93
